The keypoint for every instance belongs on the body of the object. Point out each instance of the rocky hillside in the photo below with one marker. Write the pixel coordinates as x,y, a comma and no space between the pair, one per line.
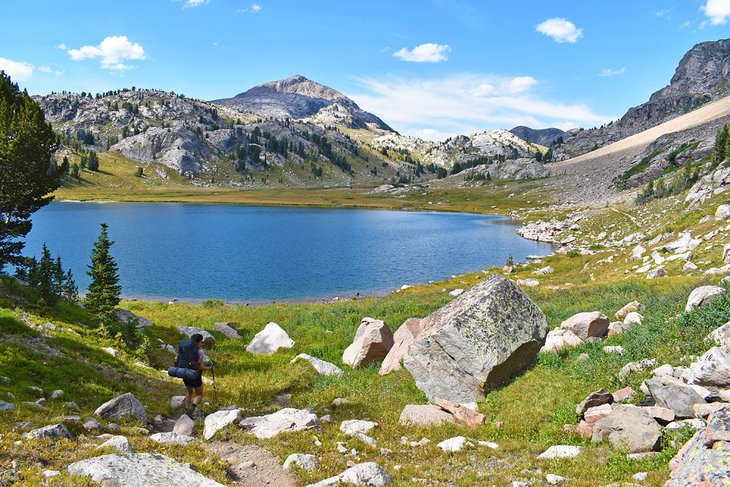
298,97
544,137
703,76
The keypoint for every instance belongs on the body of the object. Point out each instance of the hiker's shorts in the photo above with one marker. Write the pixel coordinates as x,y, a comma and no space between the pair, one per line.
195,383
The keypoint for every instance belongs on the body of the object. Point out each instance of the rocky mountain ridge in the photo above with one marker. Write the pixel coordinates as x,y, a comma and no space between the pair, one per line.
544,137
702,76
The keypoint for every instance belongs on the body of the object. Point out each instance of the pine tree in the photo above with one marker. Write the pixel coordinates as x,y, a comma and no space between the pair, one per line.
104,289
722,140
27,144
45,277
93,161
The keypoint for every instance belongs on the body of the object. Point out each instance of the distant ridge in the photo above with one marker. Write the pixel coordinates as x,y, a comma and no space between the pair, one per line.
543,137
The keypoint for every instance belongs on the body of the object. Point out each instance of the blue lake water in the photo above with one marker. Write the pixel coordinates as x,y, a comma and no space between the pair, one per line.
255,253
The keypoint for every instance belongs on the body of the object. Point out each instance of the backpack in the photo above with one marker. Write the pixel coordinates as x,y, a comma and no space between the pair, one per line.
187,355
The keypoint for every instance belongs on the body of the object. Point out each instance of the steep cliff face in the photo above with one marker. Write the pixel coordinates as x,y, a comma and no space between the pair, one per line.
703,76
298,97
543,137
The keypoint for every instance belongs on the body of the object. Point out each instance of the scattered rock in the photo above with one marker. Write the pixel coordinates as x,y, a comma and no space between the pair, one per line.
594,399
57,394
53,431
424,415
36,390
694,423
657,273
628,427
112,351
126,316
632,319
555,479
269,340
322,367
710,370
665,370
624,394
560,451
722,212
119,443
177,402
137,469
301,460
456,292
689,267
354,426
617,349
660,414
217,421
208,339
340,401
453,445
462,414
586,325
6,406
125,406
287,419
559,339
51,473
373,340
705,410
673,394
113,428
696,464
184,426
172,437
702,296
91,425
544,271
476,342
721,336
368,473
640,476
636,254
4,380
528,282
227,330
634,367
718,426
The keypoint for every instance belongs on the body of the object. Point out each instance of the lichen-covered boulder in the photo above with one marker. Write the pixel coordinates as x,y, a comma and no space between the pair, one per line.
476,342
134,470
629,427
403,338
702,296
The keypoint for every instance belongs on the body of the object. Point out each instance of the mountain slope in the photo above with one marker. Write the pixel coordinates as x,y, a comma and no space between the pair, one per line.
540,136
702,76
298,97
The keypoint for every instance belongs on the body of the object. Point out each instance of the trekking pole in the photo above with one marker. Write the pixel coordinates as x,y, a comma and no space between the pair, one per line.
215,390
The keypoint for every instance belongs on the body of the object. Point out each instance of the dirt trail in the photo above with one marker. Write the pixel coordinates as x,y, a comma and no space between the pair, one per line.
584,177
251,465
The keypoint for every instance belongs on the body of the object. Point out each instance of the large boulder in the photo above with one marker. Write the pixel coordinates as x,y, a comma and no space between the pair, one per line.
269,340
373,340
559,339
710,370
722,212
189,331
705,459
594,399
125,406
720,336
726,253
476,342
702,296
587,325
287,419
629,427
403,338
462,414
134,470
673,394
53,431
632,307
172,437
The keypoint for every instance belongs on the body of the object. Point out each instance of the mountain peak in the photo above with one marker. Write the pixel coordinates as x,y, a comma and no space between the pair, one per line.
298,97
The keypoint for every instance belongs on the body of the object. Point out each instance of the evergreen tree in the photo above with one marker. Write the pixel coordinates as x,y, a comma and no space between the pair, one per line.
27,144
104,289
45,278
93,161
722,141
69,290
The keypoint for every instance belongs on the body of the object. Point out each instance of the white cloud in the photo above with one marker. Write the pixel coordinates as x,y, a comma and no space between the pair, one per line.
612,72
254,9
45,69
194,3
113,51
717,10
17,70
61,46
561,30
467,103
425,53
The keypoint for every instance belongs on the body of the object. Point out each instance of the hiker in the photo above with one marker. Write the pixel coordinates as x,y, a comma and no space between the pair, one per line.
191,356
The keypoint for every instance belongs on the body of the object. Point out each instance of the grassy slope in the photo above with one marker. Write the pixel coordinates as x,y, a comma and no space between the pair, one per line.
525,417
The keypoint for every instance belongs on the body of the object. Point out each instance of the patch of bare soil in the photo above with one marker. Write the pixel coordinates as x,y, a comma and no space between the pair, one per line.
251,465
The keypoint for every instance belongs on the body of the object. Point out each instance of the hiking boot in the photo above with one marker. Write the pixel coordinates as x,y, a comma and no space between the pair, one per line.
190,412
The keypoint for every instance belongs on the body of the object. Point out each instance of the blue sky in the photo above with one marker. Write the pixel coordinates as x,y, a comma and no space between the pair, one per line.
430,68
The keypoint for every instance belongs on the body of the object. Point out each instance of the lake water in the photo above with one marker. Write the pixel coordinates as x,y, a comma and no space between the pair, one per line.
254,253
